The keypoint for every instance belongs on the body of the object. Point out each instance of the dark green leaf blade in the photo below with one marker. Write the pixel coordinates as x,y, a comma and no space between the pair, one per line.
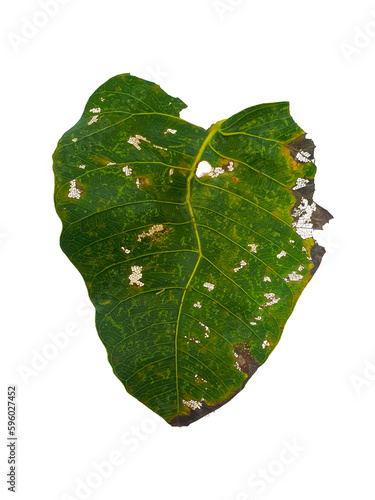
192,278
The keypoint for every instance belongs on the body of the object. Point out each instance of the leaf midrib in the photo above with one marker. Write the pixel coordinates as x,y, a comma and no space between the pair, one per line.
211,131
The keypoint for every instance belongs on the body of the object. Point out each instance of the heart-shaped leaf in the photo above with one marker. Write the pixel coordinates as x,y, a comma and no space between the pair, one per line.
193,275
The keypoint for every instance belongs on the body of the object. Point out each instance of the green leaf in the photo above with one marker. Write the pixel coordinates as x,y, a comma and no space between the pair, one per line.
193,278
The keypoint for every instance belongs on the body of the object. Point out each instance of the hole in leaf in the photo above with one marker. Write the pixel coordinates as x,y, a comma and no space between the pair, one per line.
202,169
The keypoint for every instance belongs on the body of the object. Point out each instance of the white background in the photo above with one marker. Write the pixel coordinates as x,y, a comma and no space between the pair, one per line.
316,391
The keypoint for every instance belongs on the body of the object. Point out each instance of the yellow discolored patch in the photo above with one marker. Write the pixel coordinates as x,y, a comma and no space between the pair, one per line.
102,160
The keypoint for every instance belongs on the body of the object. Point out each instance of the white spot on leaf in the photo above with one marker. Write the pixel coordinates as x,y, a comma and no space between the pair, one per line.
236,364
253,247
304,212
206,328
198,305
215,172
74,192
272,299
209,286
242,264
136,276
281,254
136,141
170,131
193,405
300,183
265,344
127,170
93,120
95,110
192,339
156,228
293,276
303,156
82,166
267,278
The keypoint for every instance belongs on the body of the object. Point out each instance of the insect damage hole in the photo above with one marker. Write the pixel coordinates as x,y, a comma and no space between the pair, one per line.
202,169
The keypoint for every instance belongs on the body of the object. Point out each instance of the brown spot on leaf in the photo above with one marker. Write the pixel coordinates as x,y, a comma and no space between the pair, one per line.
142,181
316,253
249,364
227,165
320,215
302,149
245,360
